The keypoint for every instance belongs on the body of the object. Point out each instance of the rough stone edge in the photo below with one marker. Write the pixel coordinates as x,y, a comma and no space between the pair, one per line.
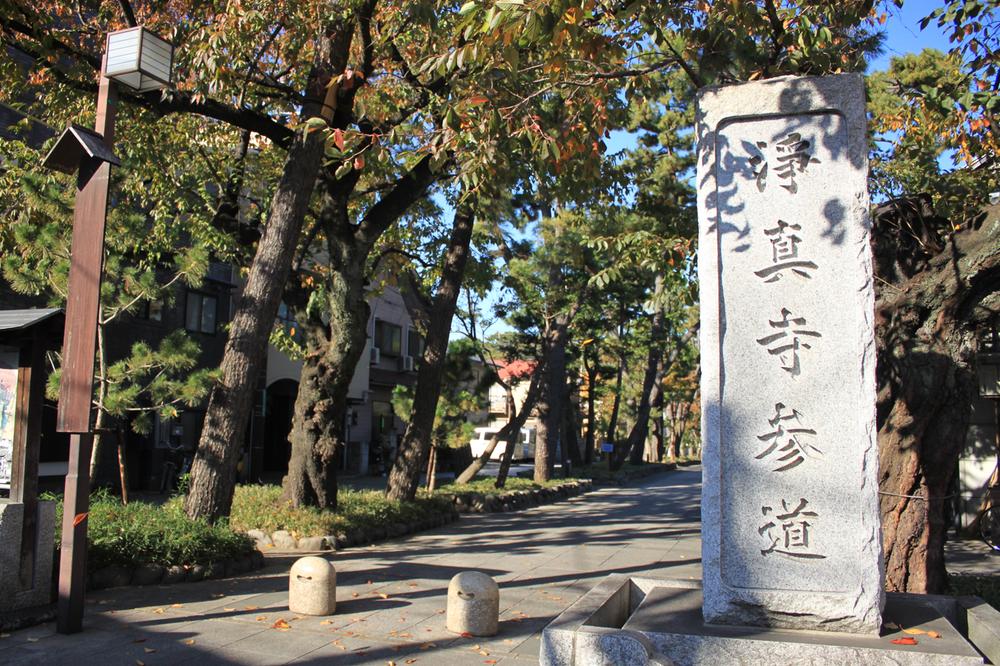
981,626
214,570
577,629
759,99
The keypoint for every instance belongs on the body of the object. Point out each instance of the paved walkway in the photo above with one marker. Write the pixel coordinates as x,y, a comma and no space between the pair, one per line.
391,597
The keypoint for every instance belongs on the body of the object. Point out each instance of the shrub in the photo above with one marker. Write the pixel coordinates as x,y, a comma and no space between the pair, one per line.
261,507
143,533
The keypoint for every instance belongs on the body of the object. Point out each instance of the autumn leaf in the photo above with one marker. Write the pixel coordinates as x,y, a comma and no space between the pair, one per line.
338,138
465,634
281,625
411,661
79,518
905,640
383,595
189,641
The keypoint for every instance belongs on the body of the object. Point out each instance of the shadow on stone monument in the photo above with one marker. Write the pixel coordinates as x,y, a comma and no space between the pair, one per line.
791,535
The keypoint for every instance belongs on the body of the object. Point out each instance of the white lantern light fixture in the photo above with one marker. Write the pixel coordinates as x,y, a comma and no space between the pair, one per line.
138,59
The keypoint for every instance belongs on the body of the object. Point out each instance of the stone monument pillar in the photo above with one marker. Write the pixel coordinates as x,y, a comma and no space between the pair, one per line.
790,518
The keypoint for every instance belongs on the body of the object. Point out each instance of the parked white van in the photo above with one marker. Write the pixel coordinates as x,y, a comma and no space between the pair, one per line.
524,449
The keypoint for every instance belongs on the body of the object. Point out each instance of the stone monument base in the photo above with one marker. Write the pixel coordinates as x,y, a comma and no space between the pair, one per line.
630,621
14,595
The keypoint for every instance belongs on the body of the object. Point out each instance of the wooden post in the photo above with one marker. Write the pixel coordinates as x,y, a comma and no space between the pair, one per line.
27,434
76,386
73,554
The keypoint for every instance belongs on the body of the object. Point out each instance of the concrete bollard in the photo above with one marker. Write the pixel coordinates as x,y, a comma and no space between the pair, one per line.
473,604
312,587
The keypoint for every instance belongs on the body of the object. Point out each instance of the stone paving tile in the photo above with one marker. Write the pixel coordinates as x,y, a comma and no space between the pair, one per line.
544,559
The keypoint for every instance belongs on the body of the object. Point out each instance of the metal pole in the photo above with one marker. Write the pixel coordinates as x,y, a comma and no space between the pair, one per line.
79,342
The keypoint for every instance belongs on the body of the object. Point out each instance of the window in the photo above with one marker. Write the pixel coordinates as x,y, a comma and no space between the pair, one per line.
152,310
388,338
286,319
201,312
414,344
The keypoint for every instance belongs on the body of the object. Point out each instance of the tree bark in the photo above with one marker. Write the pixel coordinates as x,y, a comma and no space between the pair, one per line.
590,442
927,315
213,473
612,431
636,441
334,350
414,448
571,434
555,397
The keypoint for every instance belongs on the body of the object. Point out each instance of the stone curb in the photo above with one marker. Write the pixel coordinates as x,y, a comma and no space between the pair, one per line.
156,574
474,502
642,473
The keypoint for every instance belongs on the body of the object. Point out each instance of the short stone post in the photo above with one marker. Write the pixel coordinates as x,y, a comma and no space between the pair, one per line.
473,604
312,587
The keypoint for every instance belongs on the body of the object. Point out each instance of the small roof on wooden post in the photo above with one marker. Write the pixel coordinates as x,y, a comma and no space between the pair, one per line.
74,144
17,324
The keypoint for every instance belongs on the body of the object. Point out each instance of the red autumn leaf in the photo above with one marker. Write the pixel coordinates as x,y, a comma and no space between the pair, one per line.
338,138
905,640
79,518
476,100
465,634
359,163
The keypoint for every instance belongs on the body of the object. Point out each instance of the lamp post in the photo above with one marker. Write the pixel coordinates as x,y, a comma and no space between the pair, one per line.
141,61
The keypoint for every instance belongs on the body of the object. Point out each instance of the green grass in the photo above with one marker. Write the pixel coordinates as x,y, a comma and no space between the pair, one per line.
484,485
143,533
261,507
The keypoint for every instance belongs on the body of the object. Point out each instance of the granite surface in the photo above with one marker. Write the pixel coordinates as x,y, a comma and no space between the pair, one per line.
790,519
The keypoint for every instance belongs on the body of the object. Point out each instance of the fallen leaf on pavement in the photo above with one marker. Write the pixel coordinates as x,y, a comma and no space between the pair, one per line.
428,646
261,618
411,661
933,634
229,610
383,595
326,622
281,625
465,634
251,608
355,595
490,661
905,640
176,605
189,641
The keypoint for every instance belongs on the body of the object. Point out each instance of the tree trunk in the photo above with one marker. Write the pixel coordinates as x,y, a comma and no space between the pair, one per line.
636,441
213,473
571,435
321,403
508,433
611,433
590,442
432,469
416,443
551,412
926,341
